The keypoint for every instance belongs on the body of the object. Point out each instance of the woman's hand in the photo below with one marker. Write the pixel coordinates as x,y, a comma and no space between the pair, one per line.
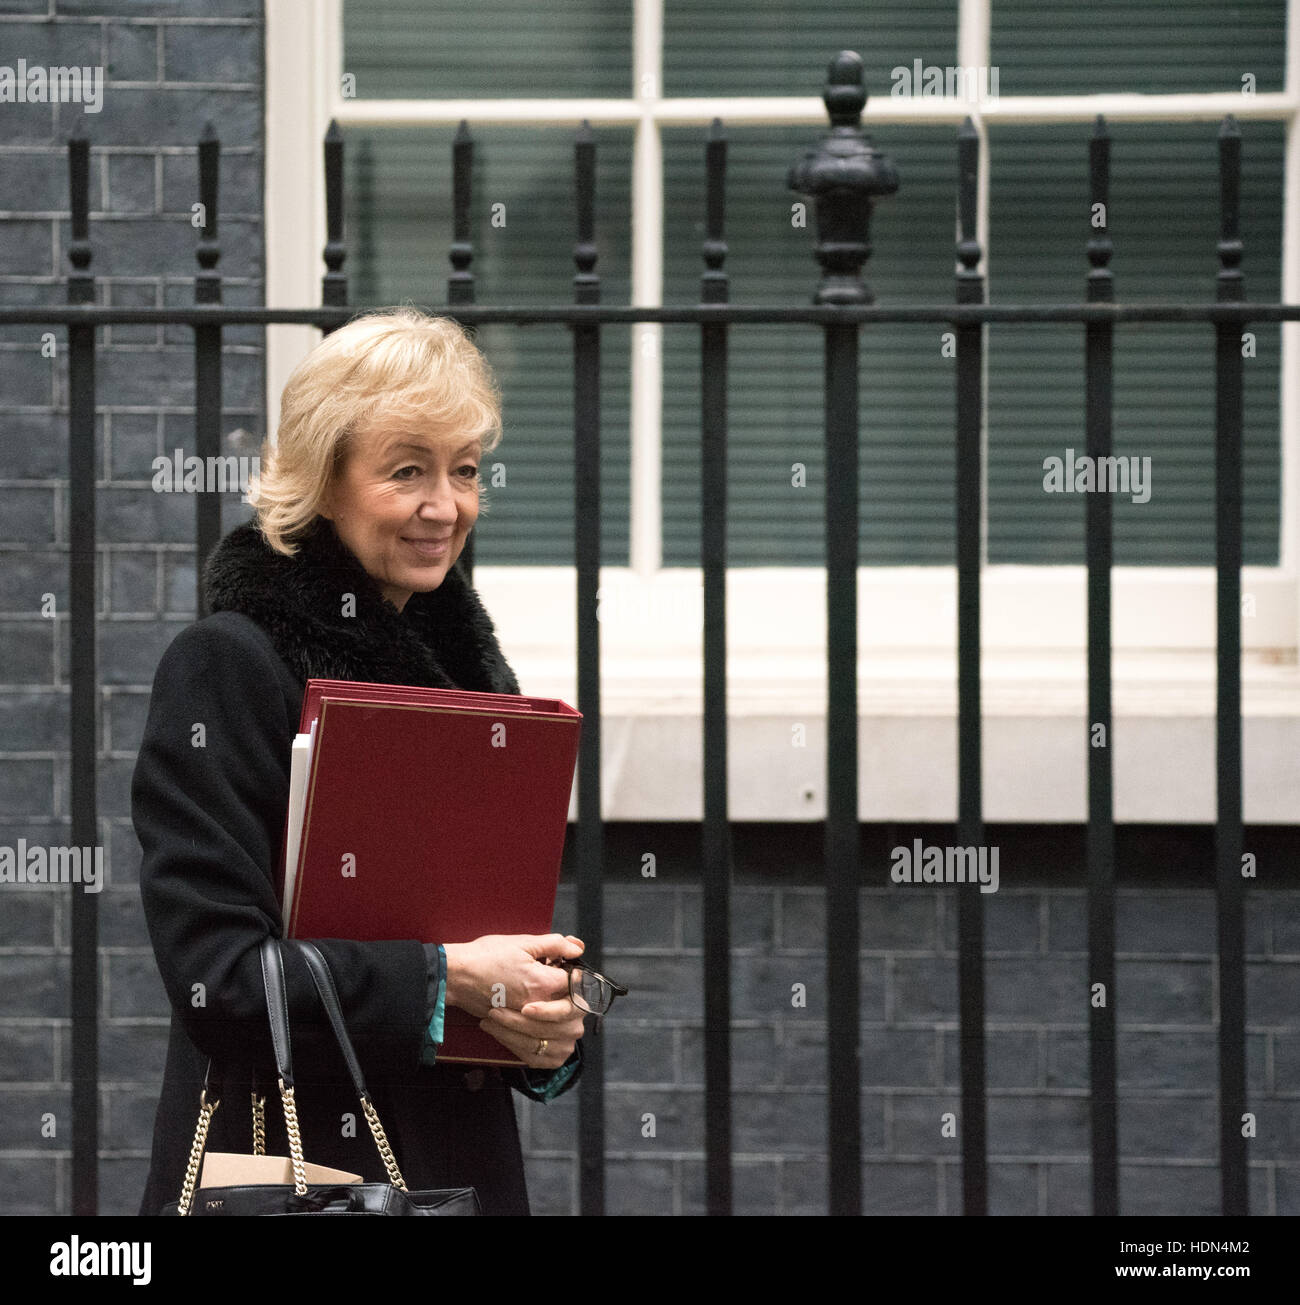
506,971
557,1024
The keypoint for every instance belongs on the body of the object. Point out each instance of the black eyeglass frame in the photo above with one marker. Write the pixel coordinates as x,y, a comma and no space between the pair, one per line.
574,966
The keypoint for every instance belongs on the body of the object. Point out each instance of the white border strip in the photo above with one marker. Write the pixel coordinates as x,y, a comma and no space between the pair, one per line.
301,49
645,492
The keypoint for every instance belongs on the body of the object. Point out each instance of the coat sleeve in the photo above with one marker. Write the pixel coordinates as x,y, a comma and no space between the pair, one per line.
208,798
547,1084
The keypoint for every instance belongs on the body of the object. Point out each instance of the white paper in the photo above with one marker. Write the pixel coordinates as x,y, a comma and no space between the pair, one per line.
299,771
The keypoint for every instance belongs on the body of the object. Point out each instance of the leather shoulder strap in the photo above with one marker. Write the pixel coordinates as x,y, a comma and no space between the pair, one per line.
324,980
277,1007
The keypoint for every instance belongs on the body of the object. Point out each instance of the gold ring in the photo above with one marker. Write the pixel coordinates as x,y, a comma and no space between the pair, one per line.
542,1044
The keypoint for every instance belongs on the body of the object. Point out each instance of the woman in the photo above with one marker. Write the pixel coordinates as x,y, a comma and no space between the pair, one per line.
349,572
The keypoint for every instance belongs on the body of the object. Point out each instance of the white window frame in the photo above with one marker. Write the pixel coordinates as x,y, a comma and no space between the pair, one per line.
1034,616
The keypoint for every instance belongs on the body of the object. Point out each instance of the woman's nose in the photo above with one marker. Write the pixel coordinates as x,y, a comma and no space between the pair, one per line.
440,502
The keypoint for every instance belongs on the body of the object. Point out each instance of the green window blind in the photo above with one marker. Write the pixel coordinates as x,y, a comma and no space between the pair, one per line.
775,407
775,444
782,47
453,49
1163,221
1153,47
1164,217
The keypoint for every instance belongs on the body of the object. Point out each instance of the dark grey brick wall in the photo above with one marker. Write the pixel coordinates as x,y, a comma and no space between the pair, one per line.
167,69
1037,996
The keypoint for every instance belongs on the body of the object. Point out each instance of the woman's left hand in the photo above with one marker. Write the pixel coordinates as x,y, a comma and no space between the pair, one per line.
557,1023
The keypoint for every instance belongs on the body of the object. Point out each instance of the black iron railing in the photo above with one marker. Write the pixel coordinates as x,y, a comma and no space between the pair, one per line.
844,175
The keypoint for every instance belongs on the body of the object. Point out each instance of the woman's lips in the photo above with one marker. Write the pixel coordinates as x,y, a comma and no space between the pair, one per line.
430,548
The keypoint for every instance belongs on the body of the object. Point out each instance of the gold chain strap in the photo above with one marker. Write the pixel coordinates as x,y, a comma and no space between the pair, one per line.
295,1140
206,1111
381,1141
259,1124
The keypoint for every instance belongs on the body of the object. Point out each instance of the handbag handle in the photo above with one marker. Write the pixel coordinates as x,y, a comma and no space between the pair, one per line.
324,981
277,1009
277,1006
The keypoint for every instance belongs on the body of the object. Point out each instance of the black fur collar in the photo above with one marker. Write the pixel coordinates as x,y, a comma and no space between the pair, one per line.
443,638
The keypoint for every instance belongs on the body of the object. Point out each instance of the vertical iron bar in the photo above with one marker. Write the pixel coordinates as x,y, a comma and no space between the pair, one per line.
460,284
586,503
1098,363
207,362
84,704
334,283
716,862
970,802
1231,886
845,174
842,840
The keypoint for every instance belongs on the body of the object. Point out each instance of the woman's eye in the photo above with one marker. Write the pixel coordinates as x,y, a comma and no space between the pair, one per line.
467,472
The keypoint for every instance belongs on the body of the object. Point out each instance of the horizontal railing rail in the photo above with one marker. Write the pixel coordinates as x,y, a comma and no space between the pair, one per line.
684,314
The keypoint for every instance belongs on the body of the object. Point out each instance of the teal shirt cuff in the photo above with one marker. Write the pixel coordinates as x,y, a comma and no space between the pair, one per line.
546,1084
433,1034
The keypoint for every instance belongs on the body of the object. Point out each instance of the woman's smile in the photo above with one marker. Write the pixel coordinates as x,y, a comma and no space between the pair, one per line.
430,548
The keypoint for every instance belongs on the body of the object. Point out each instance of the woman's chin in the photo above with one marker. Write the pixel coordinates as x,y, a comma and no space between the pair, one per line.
421,579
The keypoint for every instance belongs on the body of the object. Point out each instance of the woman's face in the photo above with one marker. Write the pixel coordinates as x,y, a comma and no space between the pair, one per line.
404,502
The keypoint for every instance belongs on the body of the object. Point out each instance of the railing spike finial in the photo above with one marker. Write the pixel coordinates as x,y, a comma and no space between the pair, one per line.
460,284
334,284
1230,248
587,281
207,281
844,95
81,285
845,174
713,281
968,159
1100,247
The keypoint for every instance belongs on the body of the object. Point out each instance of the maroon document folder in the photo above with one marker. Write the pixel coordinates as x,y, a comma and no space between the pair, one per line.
433,814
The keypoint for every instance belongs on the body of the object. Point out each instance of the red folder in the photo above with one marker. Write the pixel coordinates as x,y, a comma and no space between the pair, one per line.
433,814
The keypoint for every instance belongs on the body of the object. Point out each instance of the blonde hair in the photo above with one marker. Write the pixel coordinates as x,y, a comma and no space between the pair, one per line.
392,361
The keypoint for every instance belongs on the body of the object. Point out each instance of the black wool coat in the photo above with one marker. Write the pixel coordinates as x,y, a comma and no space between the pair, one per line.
209,796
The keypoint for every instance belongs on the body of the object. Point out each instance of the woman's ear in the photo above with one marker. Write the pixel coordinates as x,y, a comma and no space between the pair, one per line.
327,507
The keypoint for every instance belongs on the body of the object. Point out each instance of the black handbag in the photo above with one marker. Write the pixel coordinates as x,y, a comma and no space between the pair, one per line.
391,1198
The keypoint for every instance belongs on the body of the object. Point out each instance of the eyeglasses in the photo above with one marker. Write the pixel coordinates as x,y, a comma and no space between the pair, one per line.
589,991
